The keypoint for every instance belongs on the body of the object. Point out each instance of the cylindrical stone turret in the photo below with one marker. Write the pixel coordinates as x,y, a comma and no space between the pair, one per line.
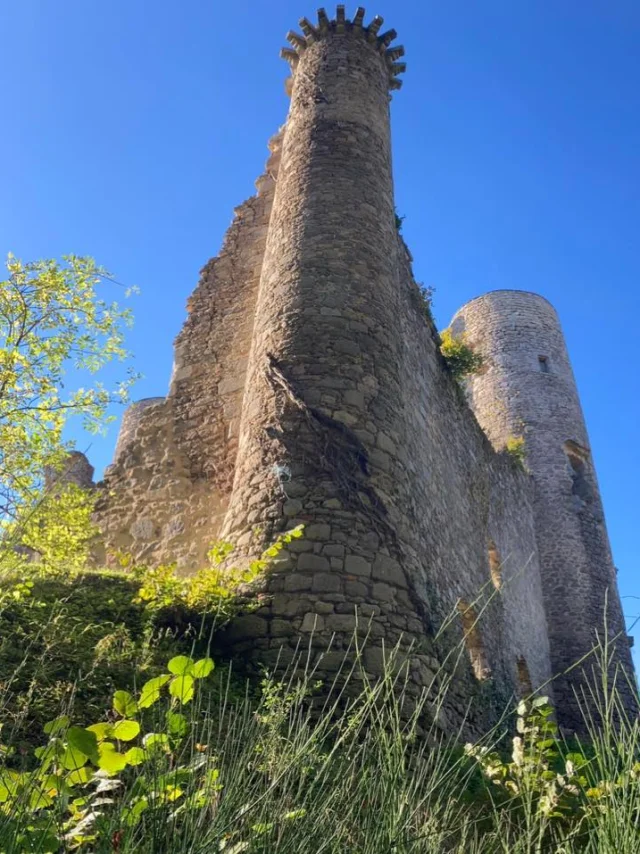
527,389
323,375
330,266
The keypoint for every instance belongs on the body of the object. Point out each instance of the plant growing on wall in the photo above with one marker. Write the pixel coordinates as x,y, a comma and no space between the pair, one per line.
214,587
461,359
425,300
515,447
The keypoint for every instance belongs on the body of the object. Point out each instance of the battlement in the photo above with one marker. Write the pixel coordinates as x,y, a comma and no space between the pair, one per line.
340,25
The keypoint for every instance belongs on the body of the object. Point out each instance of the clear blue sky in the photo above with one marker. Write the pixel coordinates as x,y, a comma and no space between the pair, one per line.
130,130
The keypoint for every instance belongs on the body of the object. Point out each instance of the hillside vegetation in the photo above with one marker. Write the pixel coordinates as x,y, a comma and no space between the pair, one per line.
120,734
123,729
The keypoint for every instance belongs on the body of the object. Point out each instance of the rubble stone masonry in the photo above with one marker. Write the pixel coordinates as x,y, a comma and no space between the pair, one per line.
308,387
527,389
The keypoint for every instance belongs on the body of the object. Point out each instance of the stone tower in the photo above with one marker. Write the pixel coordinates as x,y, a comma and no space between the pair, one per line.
308,388
527,389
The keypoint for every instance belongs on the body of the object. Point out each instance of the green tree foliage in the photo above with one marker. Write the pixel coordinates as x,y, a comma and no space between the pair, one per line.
59,530
52,321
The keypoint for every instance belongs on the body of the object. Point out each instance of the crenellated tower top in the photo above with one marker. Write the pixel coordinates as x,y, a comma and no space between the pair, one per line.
340,25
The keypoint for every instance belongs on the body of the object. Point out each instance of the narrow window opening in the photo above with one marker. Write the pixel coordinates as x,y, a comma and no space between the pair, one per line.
473,641
578,458
495,565
543,363
525,686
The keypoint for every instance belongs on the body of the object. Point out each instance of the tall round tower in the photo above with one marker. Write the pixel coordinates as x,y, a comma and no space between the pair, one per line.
322,405
323,323
527,389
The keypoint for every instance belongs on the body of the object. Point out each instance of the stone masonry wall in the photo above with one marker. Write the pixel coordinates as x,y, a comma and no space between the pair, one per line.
352,426
165,494
527,388
308,388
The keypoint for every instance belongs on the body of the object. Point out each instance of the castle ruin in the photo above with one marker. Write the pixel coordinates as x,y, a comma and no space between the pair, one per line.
308,387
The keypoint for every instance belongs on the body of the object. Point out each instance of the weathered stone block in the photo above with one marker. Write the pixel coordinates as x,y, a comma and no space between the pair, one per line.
354,398
333,550
248,626
356,565
382,592
281,628
292,507
317,531
341,623
355,588
295,582
142,529
300,546
314,563
387,569
312,623
385,443
325,583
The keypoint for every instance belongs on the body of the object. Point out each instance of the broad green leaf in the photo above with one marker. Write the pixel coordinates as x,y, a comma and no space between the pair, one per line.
135,756
80,777
148,698
158,740
262,828
177,724
294,814
53,784
578,759
172,793
131,816
72,759
180,665
124,703
150,692
109,759
182,688
82,740
39,800
47,753
57,725
126,730
101,731
540,701
202,668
